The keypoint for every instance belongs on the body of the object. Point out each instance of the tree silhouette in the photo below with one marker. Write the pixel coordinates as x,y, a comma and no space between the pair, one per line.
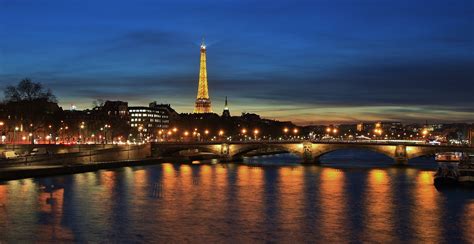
28,90
30,105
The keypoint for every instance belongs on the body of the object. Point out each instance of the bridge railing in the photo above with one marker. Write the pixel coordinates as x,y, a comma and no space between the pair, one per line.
371,142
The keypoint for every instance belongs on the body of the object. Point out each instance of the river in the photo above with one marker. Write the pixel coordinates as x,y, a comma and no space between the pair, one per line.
352,197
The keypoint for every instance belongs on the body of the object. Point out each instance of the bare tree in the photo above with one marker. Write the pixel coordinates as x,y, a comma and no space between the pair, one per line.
98,103
28,90
31,105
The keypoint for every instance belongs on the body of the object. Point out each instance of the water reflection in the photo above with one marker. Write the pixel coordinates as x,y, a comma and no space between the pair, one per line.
50,213
291,203
468,221
379,216
333,206
426,214
252,196
235,203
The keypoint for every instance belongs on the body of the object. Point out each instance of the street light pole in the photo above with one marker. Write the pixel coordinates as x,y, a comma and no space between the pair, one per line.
1,126
14,137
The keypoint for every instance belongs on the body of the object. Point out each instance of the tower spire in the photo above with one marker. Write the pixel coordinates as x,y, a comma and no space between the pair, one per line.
226,112
203,102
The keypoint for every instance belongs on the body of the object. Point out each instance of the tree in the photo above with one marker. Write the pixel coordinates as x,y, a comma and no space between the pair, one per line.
28,90
98,103
30,106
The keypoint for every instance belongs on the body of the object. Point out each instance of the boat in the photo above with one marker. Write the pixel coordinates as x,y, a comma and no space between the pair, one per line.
446,175
466,170
449,157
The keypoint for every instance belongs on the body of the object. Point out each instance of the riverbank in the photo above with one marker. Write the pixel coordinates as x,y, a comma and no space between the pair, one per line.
31,171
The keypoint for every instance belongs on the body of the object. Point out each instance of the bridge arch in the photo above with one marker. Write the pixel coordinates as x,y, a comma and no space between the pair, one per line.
173,151
318,157
241,151
320,150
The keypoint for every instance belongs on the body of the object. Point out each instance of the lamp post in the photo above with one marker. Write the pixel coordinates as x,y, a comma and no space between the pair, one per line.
255,133
1,129
140,128
80,135
186,134
378,132
221,134
244,132
160,134
50,133
328,132
81,128
106,127
14,136
66,128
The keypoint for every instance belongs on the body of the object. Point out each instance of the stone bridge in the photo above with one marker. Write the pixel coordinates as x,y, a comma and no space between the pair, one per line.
309,151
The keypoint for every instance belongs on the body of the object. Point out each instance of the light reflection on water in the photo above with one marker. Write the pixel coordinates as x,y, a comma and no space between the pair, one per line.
221,203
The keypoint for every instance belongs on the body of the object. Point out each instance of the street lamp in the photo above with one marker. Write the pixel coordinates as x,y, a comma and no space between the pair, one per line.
255,132
244,131
377,131
221,133
106,127
81,127
1,126
14,136
424,132
285,131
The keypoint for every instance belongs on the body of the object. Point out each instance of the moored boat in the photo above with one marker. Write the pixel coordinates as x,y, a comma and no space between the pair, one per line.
446,175
449,157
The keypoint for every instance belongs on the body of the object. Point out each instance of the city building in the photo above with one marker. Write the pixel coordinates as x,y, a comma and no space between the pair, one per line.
203,102
108,121
147,121
115,108
226,112
471,135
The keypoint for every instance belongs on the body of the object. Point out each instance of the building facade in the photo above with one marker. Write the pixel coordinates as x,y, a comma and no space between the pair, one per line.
146,122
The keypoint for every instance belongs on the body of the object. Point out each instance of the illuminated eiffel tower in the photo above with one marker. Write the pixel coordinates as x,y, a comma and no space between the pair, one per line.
203,102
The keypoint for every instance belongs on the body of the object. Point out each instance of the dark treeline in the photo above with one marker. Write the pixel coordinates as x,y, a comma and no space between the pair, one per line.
30,113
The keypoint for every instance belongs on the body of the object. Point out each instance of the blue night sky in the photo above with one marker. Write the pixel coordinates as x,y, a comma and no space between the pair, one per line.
307,61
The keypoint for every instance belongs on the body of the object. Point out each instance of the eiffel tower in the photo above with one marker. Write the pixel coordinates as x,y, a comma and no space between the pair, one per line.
203,102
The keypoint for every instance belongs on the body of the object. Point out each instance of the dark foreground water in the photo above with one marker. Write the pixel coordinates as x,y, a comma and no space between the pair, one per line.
353,197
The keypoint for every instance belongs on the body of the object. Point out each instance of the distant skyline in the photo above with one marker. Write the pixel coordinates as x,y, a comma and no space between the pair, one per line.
305,61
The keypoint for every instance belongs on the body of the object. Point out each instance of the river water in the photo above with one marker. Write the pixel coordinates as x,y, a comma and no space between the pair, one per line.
352,197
